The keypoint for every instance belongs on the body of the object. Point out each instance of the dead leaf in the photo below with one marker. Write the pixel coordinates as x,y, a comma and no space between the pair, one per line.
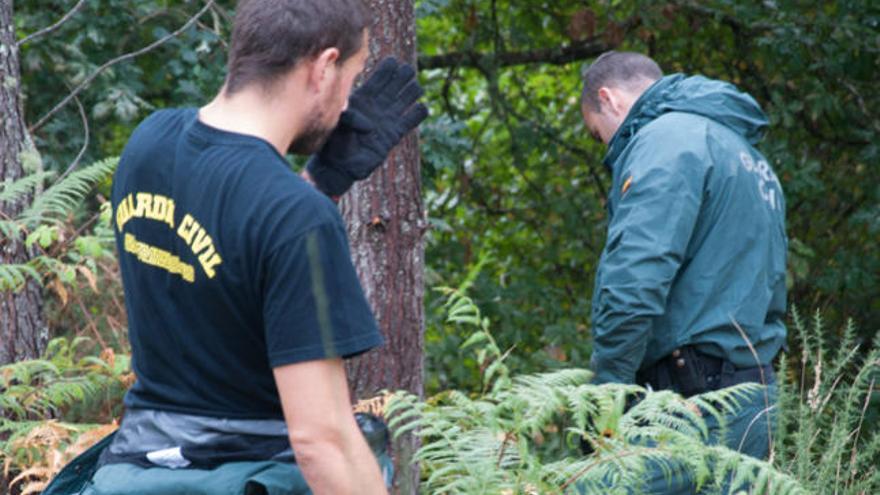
90,277
613,33
87,439
693,407
374,406
39,472
35,487
582,25
109,357
60,290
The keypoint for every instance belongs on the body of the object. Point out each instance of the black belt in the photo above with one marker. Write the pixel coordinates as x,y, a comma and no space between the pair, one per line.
690,372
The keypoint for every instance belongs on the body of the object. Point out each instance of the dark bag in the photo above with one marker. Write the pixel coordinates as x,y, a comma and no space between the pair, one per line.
75,476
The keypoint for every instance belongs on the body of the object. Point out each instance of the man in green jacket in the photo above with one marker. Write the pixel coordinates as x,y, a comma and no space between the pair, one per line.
690,289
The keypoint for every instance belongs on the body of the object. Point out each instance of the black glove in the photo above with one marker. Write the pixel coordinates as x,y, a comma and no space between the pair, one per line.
379,114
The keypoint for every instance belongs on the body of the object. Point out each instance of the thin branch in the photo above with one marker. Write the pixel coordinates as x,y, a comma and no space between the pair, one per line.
53,27
90,322
861,102
600,460
128,56
760,366
507,438
59,249
855,447
556,56
85,146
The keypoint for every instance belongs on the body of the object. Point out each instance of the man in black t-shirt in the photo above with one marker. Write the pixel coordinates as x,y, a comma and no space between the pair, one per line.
241,294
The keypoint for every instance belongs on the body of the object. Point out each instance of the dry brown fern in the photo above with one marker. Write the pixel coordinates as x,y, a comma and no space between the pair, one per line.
48,449
374,406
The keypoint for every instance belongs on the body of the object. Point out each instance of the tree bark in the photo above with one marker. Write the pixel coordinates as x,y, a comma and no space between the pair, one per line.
22,332
386,222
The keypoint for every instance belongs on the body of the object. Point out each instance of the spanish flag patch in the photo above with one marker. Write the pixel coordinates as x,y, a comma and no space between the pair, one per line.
626,185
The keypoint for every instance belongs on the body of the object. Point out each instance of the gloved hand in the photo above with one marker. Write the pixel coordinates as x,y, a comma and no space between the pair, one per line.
379,114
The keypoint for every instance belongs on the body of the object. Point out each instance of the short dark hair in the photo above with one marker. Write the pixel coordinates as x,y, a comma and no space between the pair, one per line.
612,68
269,37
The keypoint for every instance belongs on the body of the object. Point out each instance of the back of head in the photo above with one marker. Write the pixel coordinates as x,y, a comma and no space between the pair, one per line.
270,37
631,71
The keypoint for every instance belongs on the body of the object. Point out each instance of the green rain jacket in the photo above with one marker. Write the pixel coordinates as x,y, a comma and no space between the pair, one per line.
696,234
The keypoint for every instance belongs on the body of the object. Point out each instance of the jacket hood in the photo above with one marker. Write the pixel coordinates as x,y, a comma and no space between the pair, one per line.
716,100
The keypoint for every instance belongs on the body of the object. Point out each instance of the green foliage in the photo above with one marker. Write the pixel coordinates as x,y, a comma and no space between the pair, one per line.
55,407
515,190
55,203
510,170
69,380
827,433
42,222
183,71
521,434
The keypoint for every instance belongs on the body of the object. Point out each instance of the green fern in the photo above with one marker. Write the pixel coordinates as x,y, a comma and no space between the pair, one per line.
522,434
60,199
15,191
14,276
39,216
57,406
64,378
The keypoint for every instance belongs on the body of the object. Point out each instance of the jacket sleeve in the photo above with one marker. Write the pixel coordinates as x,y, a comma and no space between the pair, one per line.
648,236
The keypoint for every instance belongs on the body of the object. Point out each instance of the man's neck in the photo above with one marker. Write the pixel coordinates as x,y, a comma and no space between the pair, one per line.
251,111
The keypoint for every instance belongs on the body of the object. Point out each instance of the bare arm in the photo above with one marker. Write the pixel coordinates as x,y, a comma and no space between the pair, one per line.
329,448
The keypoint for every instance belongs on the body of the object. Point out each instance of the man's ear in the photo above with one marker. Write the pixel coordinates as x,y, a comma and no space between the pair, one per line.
323,68
607,100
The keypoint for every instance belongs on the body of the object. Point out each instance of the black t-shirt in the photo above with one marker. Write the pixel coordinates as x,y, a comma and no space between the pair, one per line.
232,265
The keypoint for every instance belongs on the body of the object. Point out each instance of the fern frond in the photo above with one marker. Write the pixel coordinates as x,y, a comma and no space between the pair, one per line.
61,198
542,395
14,276
15,191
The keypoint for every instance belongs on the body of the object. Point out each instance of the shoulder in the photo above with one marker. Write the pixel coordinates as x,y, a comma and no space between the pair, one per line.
162,125
677,129
672,140
165,120
150,141
287,203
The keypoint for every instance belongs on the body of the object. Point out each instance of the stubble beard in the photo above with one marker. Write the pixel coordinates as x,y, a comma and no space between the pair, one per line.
312,138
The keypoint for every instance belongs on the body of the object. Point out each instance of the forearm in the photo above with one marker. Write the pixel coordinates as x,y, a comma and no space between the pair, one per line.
342,466
329,447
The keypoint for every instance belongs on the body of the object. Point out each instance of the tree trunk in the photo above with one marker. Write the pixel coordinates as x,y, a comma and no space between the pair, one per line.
386,223
22,332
